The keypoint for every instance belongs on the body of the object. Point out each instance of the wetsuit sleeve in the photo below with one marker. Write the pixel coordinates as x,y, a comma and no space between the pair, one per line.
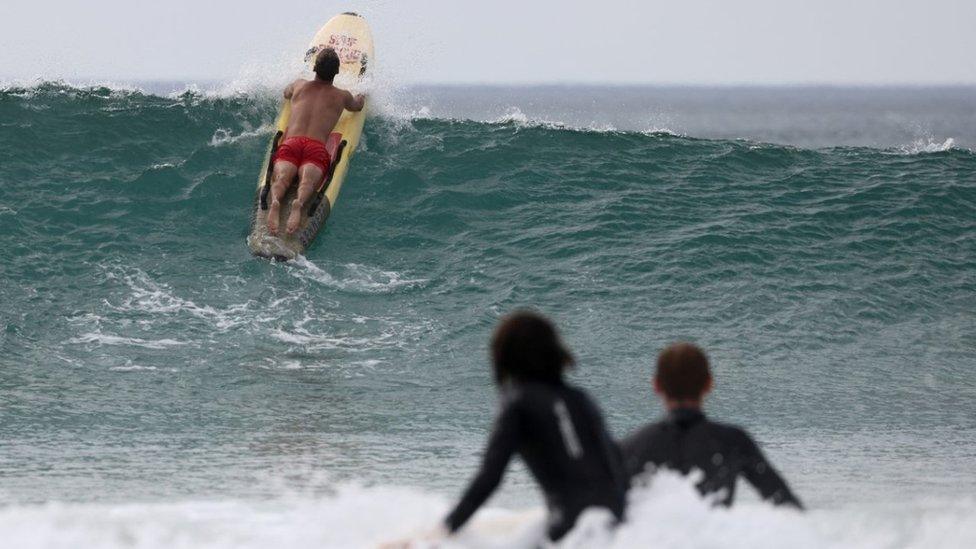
501,445
760,473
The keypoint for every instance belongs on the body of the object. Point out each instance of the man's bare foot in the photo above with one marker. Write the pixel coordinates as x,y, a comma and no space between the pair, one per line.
274,214
295,217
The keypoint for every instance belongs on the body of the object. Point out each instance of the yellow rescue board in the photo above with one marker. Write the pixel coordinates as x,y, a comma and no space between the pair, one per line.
350,36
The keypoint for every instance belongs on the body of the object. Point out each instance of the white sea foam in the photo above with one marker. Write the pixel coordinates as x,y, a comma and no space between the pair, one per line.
515,116
661,131
152,297
353,277
422,113
368,364
223,136
137,368
109,339
354,368
315,341
928,145
316,334
668,514
512,115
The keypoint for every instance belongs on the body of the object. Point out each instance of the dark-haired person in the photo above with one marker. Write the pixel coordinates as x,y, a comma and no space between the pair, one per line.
315,108
686,440
556,429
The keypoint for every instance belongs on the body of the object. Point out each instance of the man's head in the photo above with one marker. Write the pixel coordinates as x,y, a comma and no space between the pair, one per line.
682,376
327,64
526,347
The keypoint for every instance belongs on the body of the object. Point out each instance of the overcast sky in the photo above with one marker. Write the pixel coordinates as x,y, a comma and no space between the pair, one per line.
506,41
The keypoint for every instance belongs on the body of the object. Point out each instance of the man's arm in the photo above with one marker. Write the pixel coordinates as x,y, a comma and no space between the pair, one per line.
764,478
290,89
355,104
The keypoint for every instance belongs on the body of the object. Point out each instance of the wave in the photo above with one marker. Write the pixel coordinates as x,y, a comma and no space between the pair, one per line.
668,514
263,93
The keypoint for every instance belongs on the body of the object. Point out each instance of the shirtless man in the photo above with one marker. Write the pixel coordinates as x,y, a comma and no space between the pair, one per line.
315,108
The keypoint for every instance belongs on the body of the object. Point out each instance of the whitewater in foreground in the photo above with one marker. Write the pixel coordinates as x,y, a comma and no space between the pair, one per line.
668,514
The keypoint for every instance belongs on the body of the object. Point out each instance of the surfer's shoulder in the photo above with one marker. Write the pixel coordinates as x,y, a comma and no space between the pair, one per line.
729,430
643,436
290,89
729,435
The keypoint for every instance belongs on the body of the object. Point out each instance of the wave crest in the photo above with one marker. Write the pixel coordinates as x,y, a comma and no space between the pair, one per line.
929,145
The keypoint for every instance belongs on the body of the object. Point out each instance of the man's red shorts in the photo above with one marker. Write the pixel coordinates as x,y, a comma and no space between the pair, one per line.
303,150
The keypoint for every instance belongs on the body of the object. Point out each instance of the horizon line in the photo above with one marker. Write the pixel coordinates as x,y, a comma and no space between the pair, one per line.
93,80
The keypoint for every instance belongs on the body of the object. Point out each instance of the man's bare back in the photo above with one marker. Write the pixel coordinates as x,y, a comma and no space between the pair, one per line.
316,106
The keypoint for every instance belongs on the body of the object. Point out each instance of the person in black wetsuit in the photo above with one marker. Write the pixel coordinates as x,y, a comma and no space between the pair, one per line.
686,440
555,427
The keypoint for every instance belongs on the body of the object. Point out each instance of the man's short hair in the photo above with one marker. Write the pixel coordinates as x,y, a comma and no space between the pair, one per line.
327,64
682,371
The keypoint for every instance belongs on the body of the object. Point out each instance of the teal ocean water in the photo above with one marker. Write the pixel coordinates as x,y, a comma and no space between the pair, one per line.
159,385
